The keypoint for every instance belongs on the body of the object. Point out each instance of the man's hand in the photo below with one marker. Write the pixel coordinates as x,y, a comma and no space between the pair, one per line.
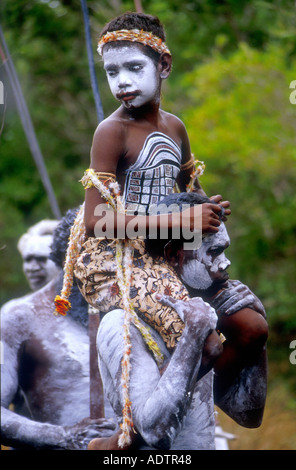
80,434
194,312
235,297
201,320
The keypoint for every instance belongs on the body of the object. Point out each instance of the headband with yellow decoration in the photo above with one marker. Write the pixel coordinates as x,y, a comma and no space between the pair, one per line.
134,35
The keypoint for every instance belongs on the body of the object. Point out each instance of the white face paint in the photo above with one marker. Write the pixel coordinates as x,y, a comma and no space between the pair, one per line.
38,268
195,275
202,267
132,76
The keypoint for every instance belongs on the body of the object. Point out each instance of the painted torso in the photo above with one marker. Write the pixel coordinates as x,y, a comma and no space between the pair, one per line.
154,173
53,371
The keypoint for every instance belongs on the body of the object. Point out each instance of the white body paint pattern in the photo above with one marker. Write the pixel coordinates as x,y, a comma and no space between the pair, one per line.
202,266
171,411
57,398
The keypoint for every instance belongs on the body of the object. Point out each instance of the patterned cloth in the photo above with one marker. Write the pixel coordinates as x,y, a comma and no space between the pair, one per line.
95,273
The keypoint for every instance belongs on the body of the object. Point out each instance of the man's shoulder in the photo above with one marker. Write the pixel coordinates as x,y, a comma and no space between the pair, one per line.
14,305
111,127
27,302
17,319
110,336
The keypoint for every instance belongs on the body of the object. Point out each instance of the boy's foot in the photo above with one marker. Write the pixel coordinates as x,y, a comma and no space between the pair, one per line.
111,443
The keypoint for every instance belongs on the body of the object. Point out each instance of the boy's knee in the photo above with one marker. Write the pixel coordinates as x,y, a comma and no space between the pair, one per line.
246,328
212,349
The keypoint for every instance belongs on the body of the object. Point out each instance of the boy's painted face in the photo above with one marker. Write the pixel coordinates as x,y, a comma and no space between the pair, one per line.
132,76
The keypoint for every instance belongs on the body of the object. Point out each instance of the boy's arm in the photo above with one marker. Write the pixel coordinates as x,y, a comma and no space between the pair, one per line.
107,149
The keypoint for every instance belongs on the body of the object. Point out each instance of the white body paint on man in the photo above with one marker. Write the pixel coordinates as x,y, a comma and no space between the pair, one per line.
171,410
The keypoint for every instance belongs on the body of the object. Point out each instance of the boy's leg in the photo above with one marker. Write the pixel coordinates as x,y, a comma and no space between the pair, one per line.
246,333
111,443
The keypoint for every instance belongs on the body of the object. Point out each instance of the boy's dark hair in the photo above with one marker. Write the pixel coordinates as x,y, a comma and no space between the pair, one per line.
133,20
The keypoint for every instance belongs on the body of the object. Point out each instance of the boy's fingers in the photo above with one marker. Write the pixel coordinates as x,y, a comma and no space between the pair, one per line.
216,208
225,203
217,198
212,229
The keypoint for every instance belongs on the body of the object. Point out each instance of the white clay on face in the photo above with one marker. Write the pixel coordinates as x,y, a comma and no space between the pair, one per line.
195,275
37,266
132,76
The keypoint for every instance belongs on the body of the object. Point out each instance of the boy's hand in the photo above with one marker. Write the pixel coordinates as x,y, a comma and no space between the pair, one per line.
225,204
210,217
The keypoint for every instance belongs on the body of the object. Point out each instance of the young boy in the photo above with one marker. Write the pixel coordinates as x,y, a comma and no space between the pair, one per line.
146,150
144,146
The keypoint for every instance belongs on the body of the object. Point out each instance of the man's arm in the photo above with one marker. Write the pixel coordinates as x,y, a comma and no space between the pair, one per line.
23,433
159,401
17,431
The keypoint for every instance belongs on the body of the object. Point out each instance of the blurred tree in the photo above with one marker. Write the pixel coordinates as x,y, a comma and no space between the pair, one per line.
47,43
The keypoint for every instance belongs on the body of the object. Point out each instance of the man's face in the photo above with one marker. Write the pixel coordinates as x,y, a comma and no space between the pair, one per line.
202,268
132,76
38,268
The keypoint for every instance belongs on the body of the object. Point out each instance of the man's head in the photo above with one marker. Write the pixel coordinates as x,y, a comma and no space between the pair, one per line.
202,268
34,247
135,57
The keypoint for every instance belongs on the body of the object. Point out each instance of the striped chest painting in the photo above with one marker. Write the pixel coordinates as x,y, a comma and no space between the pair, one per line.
153,175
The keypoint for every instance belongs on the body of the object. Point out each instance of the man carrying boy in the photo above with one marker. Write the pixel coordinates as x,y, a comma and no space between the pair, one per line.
146,150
